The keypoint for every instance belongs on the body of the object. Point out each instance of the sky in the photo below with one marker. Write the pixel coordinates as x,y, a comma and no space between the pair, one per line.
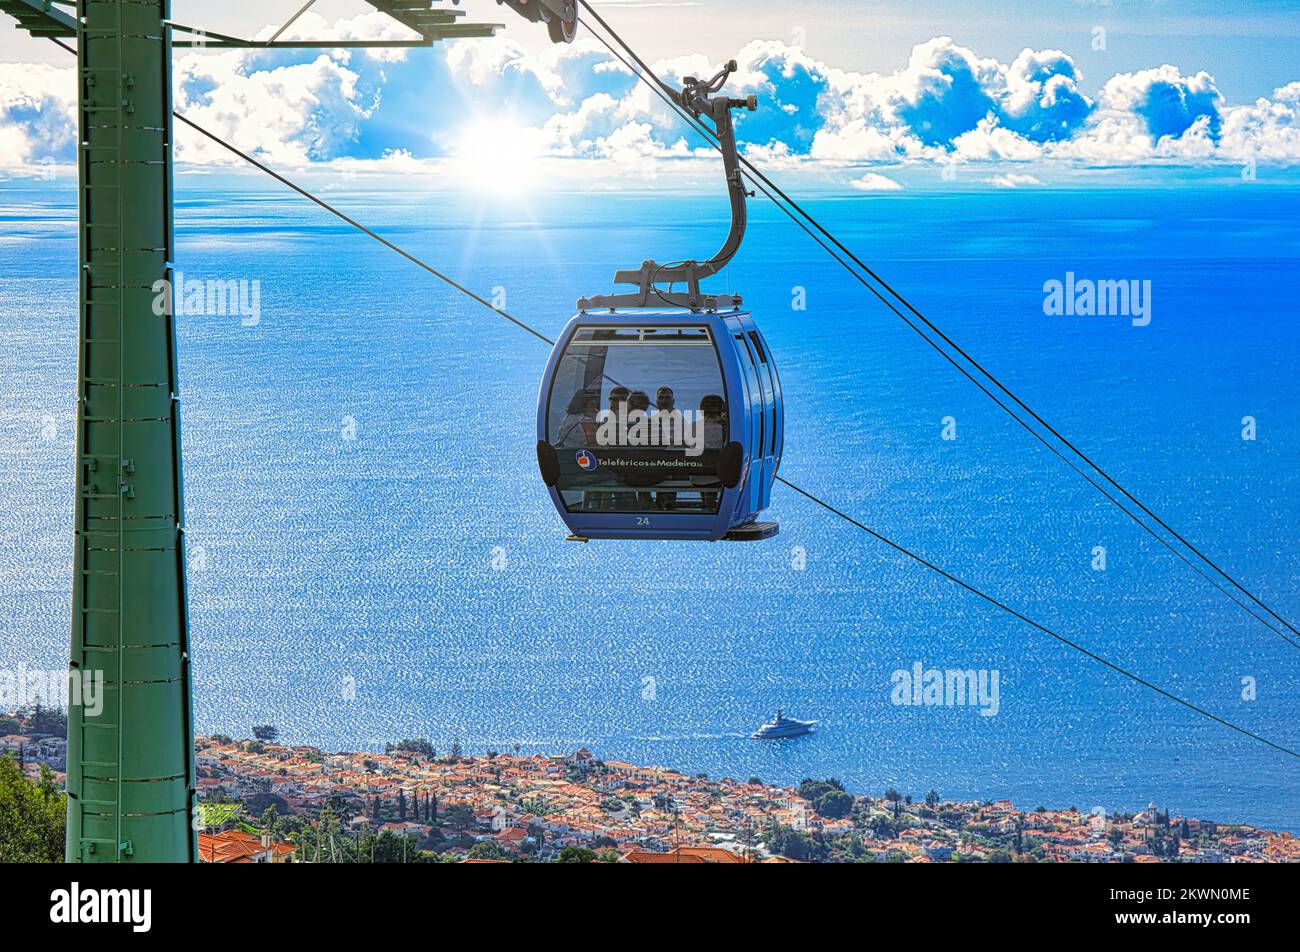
858,95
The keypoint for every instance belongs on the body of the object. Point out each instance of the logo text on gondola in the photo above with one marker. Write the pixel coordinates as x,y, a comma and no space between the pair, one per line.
1085,297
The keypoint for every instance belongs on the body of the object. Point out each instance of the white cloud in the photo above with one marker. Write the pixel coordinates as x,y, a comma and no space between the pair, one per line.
38,114
875,182
991,141
1013,180
291,115
1267,131
1153,114
945,104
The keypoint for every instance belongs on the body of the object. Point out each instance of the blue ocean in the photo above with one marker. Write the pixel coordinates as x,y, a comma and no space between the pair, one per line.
373,556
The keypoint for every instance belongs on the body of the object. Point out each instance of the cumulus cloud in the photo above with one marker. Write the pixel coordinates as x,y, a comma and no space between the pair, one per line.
945,91
1151,114
1042,101
1268,130
948,99
875,182
1013,180
946,104
294,114
991,141
38,115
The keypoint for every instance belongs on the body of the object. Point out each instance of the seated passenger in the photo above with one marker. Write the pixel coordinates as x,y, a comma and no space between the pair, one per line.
618,398
640,400
713,414
713,410
578,428
665,402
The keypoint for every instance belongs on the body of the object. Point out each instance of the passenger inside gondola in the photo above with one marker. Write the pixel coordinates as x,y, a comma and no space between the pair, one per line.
618,394
639,400
669,434
713,413
578,428
617,501
713,410
618,398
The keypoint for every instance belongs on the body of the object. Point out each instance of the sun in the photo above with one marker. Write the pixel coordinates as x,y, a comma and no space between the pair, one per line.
496,156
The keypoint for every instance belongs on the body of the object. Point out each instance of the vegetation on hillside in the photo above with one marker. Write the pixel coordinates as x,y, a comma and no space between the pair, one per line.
33,816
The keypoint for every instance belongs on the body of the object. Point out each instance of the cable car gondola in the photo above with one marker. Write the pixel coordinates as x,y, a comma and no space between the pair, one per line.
660,413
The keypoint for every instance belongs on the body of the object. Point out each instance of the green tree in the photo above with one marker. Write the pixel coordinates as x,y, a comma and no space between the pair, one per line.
270,822
797,846
32,816
812,789
576,854
487,849
414,745
833,804
43,720
458,816
267,733
258,803
387,847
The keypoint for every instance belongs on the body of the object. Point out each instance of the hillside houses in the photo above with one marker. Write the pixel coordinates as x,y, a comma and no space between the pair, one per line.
534,806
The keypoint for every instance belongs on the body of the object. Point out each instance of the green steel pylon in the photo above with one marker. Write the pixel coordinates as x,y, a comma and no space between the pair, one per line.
131,787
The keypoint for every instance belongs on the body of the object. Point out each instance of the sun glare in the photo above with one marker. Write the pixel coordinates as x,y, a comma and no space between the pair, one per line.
497,157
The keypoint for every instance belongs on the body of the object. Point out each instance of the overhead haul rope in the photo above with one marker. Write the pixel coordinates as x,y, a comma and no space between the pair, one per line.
647,75
827,506
708,135
894,545
362,228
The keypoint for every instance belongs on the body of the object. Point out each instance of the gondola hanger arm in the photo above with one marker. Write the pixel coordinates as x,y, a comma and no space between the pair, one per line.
701,98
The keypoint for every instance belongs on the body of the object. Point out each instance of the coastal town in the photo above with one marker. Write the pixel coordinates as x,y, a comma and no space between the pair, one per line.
265,801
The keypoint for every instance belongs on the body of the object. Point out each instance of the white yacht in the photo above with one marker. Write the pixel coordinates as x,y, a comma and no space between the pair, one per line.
781,727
